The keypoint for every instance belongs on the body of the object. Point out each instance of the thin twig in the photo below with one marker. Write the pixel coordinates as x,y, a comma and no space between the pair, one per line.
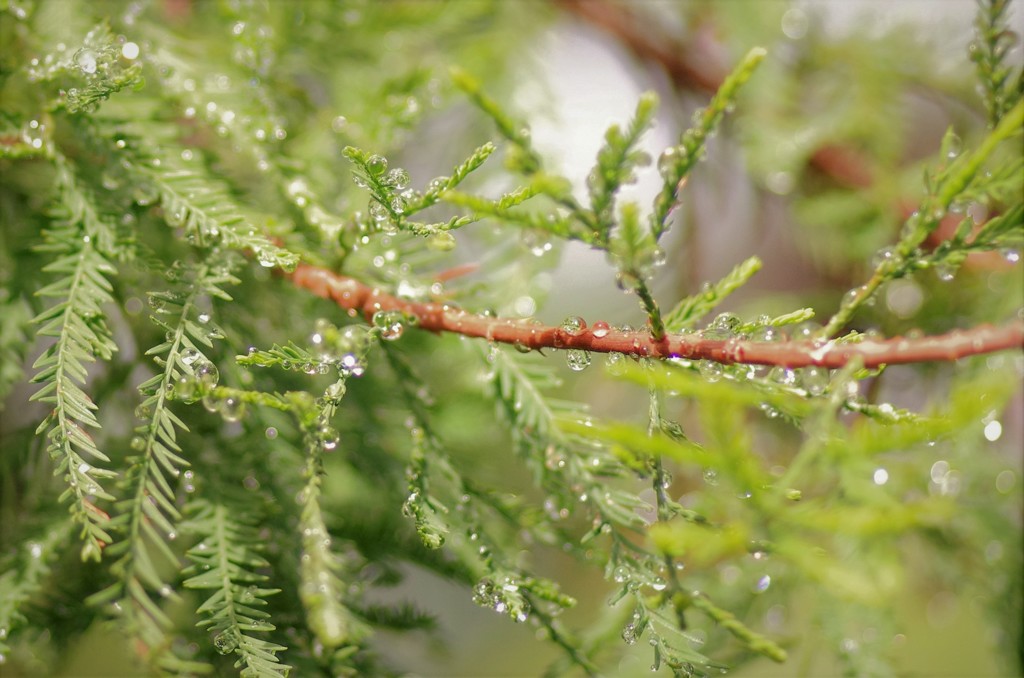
358,297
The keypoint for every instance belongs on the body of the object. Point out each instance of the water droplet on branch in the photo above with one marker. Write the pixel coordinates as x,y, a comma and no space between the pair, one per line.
577,359
390,324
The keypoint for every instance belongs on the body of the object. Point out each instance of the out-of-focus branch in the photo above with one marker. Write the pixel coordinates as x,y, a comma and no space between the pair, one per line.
353,295
694,66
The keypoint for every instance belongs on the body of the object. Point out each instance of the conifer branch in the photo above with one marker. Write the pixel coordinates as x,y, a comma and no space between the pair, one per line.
238,128
1000,82
224,564
78,323
147,518
350,294
321,589
25,576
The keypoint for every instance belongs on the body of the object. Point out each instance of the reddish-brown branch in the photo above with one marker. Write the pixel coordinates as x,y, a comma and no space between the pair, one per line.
355,296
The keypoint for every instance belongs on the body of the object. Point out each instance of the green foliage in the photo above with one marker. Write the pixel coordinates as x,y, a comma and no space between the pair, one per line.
1003,87
224,563
247,474
77,321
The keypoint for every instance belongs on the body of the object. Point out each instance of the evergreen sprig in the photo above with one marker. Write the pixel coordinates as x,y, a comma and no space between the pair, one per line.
950,181
268,488
15,322
617,161
147,519
78,323
321,588
1001,82
677,162
193,200
24,579
226,563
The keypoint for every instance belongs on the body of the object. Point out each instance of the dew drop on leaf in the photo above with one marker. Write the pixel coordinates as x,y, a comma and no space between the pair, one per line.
210,403
350,365
442,241
86,60
225,642
629,633
378,212
247,595
724,326
232,408
336,391
207,374
397,178
328,438
265,257
767,333
186,388
377,165
616,363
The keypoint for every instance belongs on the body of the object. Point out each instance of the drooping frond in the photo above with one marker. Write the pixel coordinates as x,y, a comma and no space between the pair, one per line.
78,324
15,320
225,563
24,577
205,209
146,520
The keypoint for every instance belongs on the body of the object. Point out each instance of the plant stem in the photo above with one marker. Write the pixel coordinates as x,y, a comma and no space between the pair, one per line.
353,295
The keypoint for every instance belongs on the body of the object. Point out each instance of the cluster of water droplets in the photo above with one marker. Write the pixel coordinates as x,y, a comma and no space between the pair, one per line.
198,382
634,628
33,134
392,194
672,161
502,596
102,65
343,349
199,378
100,56
576,358
253,46
727,327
